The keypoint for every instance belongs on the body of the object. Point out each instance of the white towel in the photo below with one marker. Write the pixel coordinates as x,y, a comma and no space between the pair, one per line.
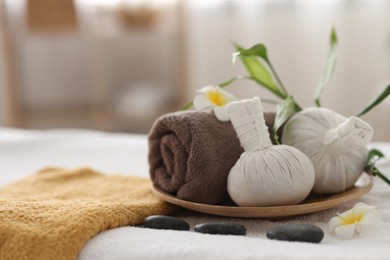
140,243
23,152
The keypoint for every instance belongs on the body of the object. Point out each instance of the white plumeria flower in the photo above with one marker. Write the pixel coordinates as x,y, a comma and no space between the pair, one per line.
351,222
213,98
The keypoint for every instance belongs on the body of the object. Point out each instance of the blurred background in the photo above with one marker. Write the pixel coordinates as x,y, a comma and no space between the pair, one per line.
116,65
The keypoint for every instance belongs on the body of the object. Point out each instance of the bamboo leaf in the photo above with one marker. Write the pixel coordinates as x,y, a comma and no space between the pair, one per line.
256,69
373,156
374,153
329,67
284,110
376,102
257,50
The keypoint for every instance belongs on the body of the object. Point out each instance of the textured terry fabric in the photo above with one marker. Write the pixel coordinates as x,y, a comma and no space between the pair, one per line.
51,214
191,154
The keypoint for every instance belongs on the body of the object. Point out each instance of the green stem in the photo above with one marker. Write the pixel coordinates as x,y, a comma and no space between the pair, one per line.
230,81
188,106
284,91
297,107
276,92
269,101
383,177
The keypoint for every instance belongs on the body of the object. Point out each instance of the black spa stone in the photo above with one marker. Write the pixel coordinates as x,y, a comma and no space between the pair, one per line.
165,222
296,232
220,228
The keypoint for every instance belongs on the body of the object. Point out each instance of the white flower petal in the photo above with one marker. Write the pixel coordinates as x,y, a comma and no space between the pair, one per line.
345,231
367,215
201,102
207,89
361,217
361,208
347,213
210,92
365,209
213,98
221,114
226,96
372,218
334,223
230,97
361,204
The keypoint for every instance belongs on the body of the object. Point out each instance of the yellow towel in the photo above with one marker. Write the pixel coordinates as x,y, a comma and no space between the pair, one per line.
51,214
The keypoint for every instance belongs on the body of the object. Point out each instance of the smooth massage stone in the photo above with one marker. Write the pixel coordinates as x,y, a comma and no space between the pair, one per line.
297,232
165,222
220,228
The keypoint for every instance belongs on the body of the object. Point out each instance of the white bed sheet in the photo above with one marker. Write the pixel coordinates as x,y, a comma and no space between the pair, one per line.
23,152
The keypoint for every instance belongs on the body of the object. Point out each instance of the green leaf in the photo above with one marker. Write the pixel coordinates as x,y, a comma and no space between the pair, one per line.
284,110
378,100
257,50
374,153
373,156
329,67
257,70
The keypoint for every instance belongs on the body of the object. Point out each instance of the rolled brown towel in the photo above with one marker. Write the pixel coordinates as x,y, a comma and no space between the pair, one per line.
191,154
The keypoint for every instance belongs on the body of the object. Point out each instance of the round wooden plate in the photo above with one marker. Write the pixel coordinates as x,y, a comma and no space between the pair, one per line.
311,204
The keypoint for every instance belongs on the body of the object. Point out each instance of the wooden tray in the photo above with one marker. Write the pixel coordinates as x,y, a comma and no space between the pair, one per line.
312,204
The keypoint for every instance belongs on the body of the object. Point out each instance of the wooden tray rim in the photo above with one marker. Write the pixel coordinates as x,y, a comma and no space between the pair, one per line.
362,187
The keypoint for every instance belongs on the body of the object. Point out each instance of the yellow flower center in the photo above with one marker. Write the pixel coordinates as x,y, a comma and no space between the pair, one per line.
216,98
351,219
